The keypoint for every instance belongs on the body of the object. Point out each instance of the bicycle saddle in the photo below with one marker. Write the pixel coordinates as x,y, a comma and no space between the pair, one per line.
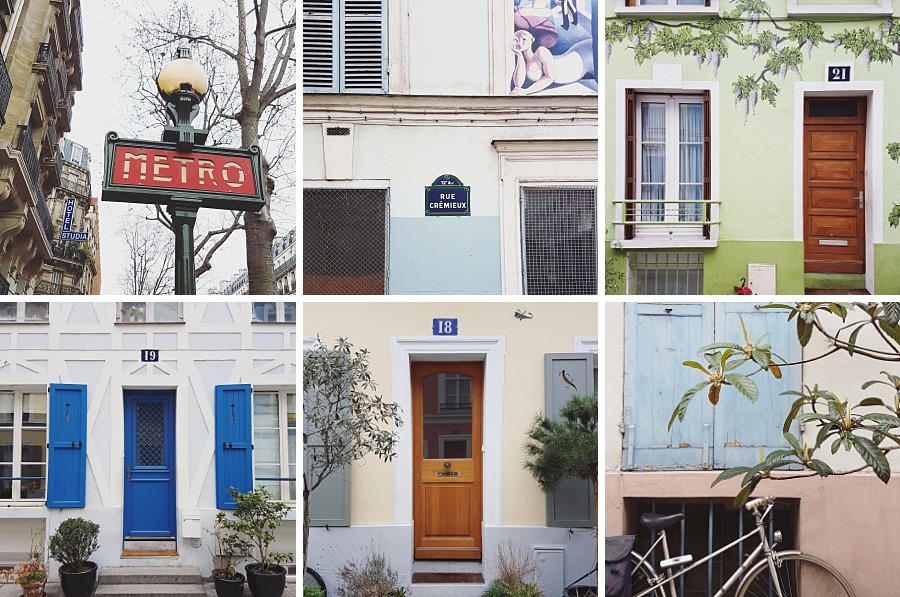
658,522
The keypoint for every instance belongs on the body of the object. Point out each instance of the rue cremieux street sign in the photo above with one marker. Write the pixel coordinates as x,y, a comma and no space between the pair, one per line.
138,171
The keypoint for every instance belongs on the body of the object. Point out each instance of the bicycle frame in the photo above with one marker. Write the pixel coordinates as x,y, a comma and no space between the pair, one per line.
748,563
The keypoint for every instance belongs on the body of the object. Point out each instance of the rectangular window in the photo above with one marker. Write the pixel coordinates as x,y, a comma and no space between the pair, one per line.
23,445
274,312
275,443
665,273
345,241
345,46
25,312
134,312
559,239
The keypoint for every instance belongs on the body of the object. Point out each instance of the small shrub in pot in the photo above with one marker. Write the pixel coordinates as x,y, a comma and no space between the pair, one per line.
71,545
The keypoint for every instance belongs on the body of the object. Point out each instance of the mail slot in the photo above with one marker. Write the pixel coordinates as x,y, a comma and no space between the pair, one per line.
832,242
446,473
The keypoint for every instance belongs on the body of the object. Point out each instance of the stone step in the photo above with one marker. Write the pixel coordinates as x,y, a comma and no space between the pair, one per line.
142,575
443,590
140,590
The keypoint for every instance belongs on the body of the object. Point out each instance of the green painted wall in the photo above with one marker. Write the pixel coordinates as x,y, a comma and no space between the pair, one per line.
887,269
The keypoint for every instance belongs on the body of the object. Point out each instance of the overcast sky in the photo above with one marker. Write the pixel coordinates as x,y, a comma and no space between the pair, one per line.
101,106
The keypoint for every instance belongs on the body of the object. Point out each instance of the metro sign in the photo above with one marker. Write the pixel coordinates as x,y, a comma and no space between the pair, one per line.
138,171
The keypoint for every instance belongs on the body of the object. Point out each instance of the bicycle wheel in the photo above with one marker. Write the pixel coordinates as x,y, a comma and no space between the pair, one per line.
312,579
641,578
799,575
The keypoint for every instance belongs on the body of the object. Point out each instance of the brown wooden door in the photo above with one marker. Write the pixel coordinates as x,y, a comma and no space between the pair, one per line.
834,139
446,412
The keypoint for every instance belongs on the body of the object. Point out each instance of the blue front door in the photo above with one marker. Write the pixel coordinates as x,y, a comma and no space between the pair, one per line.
149,464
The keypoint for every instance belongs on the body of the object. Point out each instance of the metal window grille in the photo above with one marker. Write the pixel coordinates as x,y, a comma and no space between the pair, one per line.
709,525
559,240
345,241
666,273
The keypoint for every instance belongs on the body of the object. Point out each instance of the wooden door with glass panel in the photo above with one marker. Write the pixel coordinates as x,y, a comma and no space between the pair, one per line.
447,503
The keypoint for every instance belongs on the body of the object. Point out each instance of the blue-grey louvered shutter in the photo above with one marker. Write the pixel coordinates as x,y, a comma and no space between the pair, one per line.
67,442
743,427
234,432
320,46
329,504
363,46
565,375
658,339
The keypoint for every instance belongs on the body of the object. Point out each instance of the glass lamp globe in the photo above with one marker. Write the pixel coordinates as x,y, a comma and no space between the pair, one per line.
179,74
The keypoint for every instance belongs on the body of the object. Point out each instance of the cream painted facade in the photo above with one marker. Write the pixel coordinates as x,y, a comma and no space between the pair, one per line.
512,351
845,520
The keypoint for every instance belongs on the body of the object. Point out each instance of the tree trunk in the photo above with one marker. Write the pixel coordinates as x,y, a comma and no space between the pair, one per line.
305,528
259,228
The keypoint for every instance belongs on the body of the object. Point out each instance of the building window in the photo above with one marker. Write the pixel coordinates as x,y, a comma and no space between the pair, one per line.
681,7
25,312
345,46
345,241
559,239
667,3
149,313
454,393
667,166
23,445
274,312
665,273
275,443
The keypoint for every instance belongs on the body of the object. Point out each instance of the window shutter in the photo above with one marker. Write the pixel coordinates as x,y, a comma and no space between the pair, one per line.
364,46
742,427
707,162
234,456
320,46
658,339
630,123
329,504
67,455
572,504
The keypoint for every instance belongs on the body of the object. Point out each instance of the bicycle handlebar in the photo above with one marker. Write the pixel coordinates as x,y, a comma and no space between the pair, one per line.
759,503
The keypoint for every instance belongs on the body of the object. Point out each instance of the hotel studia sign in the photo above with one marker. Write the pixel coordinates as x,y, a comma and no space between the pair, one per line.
138,171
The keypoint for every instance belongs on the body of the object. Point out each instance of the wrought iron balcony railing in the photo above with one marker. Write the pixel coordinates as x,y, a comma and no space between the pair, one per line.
70,252
653,216
64,17
45,57
5,89
32,166
286,266
47,287
76,25
75,186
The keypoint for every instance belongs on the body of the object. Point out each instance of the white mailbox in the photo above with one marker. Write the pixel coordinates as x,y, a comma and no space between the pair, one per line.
190,526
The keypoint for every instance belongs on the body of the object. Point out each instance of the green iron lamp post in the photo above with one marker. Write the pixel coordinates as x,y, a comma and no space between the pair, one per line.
183,84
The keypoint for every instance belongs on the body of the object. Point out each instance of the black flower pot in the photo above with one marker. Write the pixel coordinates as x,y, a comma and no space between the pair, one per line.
229,587
79,583
269,584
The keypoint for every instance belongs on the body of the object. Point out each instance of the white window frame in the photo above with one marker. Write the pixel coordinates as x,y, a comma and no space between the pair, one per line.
443,439
279,311
670,8
148,312
22,313
672,183
444,396
18,406
283,444
532,163
873,9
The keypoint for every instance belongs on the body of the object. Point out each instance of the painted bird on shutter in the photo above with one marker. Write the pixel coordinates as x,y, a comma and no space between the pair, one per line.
566,379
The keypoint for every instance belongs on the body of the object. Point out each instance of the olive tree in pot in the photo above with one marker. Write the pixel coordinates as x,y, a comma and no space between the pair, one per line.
252,530
227,580
71,545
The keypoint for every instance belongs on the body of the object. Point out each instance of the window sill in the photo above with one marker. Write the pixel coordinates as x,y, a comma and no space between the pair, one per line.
255,321
24,321
149,322
882,8
667,11
661,243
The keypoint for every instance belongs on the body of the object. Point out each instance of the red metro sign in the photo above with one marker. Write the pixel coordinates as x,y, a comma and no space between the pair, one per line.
138,171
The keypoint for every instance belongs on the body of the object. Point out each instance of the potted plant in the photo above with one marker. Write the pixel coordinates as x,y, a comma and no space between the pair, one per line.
32,574
71,545
228,581
252,529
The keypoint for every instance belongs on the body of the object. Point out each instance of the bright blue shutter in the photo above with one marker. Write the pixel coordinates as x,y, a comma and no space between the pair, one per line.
234,456
320,46
67,454
743,427
658,339
565,375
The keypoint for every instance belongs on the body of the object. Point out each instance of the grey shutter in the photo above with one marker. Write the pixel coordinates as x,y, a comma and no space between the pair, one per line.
363,46
329,504
572,504
320,46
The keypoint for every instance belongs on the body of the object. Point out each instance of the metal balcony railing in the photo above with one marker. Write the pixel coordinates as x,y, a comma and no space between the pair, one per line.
32,165
76,25
47,287
70,252
45,57
651,215
5,89
4,285
75,187
64,17
286,266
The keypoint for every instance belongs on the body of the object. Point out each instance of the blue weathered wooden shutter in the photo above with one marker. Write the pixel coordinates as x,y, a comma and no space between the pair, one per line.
658,339
320,46
234,429
743,427
572,504
363,46
67,454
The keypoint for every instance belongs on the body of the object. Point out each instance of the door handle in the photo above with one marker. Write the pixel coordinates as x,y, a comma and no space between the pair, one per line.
861,199
128,472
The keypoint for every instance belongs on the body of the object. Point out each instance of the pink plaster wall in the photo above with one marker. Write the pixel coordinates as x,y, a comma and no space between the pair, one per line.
852,522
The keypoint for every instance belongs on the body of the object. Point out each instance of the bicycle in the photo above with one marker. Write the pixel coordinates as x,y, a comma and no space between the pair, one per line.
764,572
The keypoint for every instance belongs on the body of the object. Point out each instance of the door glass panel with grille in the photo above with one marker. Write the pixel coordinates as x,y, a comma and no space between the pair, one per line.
344,241
559,238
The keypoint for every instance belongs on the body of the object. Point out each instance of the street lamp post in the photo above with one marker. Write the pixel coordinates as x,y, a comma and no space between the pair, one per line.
182,84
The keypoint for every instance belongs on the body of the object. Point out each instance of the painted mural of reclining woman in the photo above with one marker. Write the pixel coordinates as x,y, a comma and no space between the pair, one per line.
536,68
